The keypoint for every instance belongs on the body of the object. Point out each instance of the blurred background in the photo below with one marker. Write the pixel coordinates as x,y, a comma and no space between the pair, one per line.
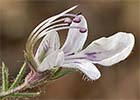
105,17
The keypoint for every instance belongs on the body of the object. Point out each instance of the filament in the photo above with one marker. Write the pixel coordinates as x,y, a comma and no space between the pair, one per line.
57,29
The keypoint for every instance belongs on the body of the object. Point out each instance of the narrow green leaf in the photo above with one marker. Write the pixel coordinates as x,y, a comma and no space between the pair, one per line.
26,94
4,78
19,76
61,72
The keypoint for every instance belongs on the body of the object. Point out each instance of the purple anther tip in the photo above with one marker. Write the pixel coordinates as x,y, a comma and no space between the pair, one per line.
68,20
77,19
82,30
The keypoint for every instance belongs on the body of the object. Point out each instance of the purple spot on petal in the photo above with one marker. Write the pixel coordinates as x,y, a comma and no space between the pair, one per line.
92,56
77,62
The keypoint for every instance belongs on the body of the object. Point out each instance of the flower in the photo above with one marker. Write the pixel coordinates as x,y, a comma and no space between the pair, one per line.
103,51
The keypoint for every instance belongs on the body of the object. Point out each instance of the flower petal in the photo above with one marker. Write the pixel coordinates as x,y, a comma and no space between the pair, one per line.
108,51
75,39
49,44
86,67
55,58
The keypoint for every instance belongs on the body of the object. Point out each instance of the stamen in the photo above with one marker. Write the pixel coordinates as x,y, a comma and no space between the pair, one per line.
55,26
68,20
69,15
51,27
43,33
49,20
47,23
39,26
57,21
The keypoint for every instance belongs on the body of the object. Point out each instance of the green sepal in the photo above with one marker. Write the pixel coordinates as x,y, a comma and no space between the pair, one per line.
5,81
19,76
61,72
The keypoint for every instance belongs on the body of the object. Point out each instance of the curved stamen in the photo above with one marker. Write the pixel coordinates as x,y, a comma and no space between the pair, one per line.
69,15
67,22
49,20
39,26
57,21
49,28
45,24
43,33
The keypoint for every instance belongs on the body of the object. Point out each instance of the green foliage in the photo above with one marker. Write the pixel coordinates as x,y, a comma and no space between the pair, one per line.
19,76
6,91
15,84
5,74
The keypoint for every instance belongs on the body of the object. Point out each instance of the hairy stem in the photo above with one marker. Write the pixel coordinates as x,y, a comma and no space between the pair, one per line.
19,88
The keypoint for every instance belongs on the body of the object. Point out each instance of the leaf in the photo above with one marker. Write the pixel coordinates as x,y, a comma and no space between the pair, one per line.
61,72
4,78
57,70
19,76
26,94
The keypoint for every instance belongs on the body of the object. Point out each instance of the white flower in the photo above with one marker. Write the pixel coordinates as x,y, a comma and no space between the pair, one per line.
104,51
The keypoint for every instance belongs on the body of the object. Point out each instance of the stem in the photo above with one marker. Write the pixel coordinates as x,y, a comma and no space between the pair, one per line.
19,88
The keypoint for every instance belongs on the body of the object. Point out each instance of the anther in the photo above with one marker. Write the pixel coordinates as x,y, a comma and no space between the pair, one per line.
83,30
68,20
77,19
